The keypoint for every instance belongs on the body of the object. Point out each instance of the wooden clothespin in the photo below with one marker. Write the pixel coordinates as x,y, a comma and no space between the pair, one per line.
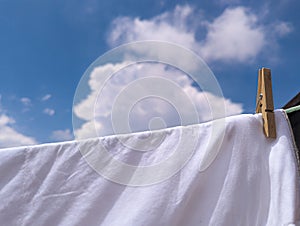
264,102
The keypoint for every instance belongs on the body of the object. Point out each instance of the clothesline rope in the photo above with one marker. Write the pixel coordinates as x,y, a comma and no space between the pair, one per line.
293,109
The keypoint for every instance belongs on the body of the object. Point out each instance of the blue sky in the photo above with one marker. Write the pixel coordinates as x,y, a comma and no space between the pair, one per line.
46,46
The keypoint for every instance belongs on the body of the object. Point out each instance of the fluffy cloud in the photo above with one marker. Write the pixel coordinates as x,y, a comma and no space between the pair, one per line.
237,34
49,111
62,135
127,98
90,128
169,26
9,137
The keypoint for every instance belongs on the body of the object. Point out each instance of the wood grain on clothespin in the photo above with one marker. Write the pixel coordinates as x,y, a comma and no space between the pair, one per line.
264,103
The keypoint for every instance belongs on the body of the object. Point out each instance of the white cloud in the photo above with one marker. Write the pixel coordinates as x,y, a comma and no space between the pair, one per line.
4,120
236,35
49,111
9,137
25,101
62,135
46,97
90,128
169,26
127,85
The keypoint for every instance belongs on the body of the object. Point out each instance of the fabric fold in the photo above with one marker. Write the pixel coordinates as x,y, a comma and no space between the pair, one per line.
251,180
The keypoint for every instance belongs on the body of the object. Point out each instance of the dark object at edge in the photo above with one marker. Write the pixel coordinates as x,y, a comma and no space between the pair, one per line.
294,118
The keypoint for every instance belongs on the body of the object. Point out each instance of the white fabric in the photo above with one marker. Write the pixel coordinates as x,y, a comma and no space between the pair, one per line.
251,182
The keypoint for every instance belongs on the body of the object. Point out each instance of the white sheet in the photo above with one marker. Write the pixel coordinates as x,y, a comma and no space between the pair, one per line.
252,181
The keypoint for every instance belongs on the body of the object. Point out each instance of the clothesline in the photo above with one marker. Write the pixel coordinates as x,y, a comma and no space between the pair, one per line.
293,109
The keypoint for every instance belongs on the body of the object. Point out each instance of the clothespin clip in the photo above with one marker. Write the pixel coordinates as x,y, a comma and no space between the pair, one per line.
264,102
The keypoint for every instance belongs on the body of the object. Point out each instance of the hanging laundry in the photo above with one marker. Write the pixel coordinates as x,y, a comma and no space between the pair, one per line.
230,176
